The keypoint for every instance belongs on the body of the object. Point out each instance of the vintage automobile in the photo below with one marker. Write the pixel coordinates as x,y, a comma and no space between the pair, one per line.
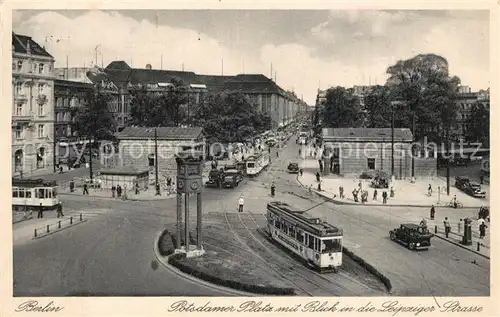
215,178
471,188
230,181
415,237
234,172
380,180
293,167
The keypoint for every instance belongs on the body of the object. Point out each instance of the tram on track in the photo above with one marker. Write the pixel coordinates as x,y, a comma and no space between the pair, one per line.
317,242
256,163
33,193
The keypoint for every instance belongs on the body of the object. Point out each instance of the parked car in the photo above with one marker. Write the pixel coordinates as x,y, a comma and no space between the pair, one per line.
415,237
471,188
230,181
293,167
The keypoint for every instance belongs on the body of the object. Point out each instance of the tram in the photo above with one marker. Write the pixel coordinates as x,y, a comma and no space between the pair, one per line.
31,193
256,163
317,242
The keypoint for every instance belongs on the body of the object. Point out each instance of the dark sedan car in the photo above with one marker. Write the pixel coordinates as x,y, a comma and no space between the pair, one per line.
230,182
293,168
415,237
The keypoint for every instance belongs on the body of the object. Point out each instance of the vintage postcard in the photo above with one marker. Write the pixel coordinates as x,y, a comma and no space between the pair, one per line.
249,157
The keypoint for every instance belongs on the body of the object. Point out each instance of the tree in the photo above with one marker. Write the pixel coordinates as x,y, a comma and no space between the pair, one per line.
153,109
94,120
229,117
478,124
341,109
378,107
429,93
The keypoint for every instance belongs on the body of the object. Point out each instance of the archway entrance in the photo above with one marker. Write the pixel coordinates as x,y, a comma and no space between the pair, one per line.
40,158
18,160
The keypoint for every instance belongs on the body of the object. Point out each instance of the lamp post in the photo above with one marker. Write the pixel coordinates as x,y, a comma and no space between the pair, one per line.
157,187
393,104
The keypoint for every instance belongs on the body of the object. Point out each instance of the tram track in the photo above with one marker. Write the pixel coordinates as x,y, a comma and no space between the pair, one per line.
262,259
293,267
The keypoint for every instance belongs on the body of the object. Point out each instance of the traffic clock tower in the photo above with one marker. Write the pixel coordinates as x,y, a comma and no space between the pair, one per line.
189,183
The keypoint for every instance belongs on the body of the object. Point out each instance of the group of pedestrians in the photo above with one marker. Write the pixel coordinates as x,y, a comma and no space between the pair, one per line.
447,226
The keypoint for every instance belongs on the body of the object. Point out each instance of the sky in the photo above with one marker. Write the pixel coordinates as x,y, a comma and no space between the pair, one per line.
308,49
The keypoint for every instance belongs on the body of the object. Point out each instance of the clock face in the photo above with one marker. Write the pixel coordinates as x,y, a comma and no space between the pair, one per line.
194,185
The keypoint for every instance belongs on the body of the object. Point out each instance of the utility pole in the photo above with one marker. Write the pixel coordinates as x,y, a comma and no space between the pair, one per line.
90,163
413,148
156,164
448,160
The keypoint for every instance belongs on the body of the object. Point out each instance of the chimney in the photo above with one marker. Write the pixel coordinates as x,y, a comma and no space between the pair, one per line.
148,66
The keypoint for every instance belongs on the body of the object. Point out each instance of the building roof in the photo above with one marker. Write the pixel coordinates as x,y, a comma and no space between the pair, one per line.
126,170
163,133
154,76
366,134
69,83
253,83
214,82
21,43
118,65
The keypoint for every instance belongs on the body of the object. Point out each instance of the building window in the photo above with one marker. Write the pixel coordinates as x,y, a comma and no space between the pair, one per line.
19,109
33,69
40,131
40,88
19,88
40,111
40,68
19,132
19,65
371,163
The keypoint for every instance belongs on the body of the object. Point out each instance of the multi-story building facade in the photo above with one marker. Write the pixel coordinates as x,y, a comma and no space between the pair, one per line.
33,106
467,99
68,95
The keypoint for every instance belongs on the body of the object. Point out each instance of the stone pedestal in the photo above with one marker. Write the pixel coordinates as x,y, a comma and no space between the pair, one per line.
193,251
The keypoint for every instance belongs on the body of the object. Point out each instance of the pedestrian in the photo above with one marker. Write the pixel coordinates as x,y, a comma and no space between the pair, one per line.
118,191
454,202
277,154
85,189
317,177
481,178
429,190
392,192
59,210
355,195
272,189
447,227
137,188
157,188
72,186
341,192
433,212
113,191
459,226
301,171
310,189
384,197
375,194
423,223
482,230
60,169
124,196
241,201
319,186
40,212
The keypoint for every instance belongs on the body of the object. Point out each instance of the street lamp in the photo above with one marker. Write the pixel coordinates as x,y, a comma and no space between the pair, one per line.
157,185
393,104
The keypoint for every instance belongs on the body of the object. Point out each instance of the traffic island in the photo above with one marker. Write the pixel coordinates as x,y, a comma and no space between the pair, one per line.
223,268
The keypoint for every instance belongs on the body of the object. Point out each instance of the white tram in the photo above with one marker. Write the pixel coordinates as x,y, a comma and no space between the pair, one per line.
31,193
317,242
256,163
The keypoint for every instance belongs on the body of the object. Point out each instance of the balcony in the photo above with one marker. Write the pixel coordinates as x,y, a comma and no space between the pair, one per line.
20,96
22,117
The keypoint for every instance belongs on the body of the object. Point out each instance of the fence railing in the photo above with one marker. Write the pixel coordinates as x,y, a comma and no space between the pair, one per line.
47,229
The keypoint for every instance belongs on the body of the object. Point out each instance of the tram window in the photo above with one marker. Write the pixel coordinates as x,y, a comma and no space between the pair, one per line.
28,194
277,223
300,236
14,193
331,245
54,192
41,193
21,193
311,242
291,231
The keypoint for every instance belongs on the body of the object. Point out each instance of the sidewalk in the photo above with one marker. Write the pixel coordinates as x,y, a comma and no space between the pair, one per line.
406,193
24,230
